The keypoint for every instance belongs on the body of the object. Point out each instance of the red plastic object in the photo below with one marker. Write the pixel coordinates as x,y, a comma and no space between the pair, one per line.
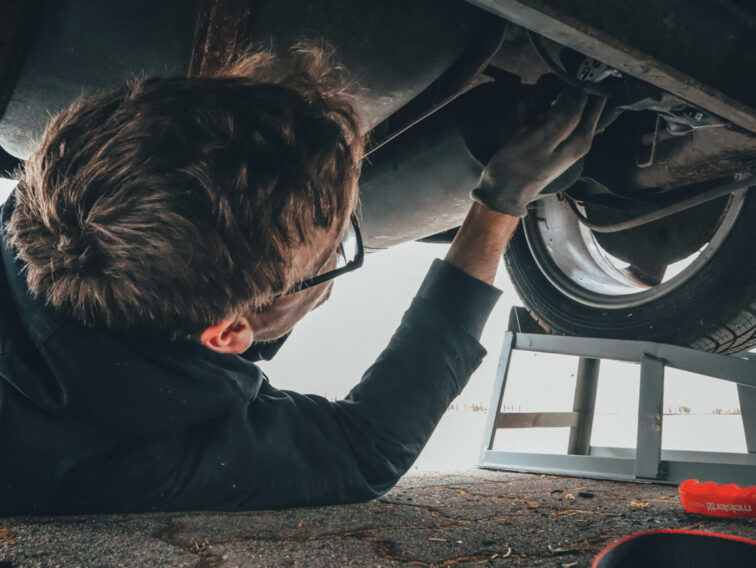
718,500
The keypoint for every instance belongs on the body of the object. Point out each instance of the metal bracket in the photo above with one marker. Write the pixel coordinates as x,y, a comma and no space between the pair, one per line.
650,414
648,462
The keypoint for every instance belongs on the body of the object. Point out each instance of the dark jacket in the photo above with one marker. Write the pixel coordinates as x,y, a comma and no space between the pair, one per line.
93,421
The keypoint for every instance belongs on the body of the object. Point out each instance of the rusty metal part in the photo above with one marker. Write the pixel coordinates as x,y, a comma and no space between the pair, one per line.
221,33
704,52
667,204
517,56
18,19
703,155
590,87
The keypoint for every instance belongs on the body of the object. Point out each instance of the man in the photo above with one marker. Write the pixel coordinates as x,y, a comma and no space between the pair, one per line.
166,234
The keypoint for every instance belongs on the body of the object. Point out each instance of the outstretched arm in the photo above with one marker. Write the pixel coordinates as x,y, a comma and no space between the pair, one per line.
516,175
481,242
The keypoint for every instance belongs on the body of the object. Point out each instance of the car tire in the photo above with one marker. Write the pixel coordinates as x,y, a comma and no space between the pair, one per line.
714,309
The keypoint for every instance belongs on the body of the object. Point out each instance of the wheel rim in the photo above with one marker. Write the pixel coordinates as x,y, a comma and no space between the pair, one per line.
568,255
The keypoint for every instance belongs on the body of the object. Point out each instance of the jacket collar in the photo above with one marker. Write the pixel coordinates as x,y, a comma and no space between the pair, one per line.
118,381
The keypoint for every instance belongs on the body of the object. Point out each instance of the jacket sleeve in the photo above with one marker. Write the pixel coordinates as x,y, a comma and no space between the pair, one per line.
285,449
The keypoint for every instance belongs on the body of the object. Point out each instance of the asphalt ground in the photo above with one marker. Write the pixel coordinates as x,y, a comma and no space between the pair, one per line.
478,518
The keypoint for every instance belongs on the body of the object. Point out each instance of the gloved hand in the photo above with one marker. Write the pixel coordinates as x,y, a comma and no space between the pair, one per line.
539,153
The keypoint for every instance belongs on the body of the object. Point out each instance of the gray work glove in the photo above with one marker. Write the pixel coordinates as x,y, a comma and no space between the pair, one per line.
540,153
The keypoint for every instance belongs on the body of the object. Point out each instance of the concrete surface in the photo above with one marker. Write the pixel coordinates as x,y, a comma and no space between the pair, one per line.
478,518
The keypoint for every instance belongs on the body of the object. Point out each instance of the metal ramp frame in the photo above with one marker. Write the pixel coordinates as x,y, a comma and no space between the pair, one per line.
647,462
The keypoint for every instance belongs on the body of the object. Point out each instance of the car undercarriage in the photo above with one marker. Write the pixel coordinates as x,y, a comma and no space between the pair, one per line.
649,237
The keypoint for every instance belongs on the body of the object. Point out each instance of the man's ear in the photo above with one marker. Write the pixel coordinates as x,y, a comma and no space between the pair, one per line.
229,336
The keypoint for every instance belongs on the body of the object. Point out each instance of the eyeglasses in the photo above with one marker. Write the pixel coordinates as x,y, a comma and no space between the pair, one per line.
350,257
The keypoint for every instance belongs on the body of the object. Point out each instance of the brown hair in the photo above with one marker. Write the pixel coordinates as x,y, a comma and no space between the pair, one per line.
171,203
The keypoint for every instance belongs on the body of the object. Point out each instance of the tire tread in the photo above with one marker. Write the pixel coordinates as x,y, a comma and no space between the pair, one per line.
724,321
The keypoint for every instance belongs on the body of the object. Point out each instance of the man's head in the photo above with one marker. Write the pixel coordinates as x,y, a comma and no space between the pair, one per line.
175,205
